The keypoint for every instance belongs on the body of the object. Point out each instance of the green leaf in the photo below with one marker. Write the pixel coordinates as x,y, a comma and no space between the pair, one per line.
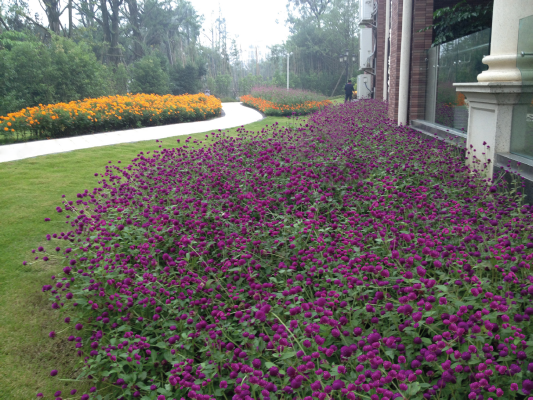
443,288
413,388
287,355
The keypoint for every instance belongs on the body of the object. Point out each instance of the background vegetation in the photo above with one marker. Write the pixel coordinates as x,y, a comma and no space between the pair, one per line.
113,47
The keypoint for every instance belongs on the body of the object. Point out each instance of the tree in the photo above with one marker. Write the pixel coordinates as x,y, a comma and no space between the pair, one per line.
316,43
314,7
53,11
33,73
149,76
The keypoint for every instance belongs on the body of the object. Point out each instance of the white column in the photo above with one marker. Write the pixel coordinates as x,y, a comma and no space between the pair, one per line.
288,58
405,61
386,52
504,40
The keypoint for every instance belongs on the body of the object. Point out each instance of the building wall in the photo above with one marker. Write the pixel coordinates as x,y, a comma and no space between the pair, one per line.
395,46
422,17
381,56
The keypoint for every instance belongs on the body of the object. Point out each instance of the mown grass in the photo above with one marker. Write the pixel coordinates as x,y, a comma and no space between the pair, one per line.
29,192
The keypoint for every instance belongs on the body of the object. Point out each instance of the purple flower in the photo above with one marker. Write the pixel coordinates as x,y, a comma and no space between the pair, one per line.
527,386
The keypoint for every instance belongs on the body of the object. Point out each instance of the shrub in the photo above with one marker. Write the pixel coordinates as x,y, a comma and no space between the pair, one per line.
32,73
149,76
107,114
348,258
185,79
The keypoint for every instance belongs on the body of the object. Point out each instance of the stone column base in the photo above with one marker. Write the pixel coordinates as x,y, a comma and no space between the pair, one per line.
490,109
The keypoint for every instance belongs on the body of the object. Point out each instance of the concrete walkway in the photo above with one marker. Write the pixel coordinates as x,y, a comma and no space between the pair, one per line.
235,115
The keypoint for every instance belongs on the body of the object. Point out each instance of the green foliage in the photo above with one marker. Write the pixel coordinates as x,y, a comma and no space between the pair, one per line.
76,72
249,81
33,73
148,76
185,79
222,85
120,79
460,20
320,31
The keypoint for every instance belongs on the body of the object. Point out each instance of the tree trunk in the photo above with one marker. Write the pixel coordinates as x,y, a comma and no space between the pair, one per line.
110,26
69,18
51,8
3,23
137,36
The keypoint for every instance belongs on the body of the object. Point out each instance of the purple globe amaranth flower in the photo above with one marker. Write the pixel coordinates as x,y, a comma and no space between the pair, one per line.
527,386
53,372
214,245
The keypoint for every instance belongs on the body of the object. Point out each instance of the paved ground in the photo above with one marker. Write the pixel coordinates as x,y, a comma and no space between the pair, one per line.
235,115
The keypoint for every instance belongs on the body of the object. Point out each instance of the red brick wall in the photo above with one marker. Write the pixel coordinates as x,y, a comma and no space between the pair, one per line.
422,17
381,56
395,45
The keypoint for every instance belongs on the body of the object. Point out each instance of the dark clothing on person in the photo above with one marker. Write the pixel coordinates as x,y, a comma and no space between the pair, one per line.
348,90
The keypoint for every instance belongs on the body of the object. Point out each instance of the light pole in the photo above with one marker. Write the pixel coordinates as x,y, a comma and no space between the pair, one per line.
288,58
346,58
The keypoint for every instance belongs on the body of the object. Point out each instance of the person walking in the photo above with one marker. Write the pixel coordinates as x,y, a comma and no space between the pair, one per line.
348,91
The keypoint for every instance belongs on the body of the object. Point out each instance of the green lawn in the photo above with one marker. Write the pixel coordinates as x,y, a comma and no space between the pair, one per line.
29,192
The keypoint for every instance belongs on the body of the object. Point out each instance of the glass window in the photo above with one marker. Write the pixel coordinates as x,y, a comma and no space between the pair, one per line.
458,61
522,125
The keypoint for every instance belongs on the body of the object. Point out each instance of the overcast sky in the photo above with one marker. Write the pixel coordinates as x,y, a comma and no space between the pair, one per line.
254,21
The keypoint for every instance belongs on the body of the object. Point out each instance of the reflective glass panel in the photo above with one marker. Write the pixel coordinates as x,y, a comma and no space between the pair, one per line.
522,127
459,62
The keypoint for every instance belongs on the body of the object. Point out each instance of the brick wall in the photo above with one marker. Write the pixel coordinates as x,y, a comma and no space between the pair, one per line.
395,45
422,17
381,56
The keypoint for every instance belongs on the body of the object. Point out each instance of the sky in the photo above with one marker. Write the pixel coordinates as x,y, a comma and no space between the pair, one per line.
253,21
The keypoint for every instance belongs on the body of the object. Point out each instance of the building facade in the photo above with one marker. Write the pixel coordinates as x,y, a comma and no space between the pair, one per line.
475,89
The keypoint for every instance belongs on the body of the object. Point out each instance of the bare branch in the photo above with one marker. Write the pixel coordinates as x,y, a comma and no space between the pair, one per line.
3,23
33,21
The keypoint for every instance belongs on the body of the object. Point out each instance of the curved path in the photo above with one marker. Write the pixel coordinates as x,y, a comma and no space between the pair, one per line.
235,114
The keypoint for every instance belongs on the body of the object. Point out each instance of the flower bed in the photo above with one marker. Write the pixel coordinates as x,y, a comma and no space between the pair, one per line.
107,114
349,258
276,101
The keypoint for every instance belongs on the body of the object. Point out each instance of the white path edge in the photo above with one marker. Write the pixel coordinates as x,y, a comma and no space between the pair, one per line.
235,115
